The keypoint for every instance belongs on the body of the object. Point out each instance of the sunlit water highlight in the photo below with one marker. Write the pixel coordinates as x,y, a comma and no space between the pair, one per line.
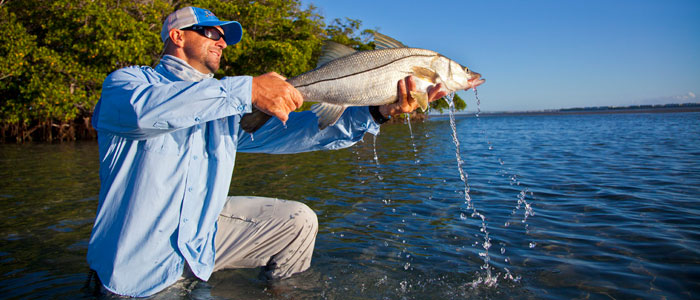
615,197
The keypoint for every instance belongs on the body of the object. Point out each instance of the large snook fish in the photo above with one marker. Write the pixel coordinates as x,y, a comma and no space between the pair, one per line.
345,77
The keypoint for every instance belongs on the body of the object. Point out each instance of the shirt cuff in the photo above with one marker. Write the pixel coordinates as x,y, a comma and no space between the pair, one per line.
377,115
239,92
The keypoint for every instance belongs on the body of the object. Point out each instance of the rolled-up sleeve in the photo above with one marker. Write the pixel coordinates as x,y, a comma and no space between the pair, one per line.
138,103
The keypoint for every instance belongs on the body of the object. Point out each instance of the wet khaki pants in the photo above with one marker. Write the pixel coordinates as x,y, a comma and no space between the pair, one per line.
278,235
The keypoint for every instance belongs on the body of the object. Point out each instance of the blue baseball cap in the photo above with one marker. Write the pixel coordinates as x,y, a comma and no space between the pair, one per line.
190,16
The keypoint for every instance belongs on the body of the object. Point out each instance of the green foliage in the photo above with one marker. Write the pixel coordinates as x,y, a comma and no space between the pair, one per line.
54,54
62,51
441,105
345,33
15,49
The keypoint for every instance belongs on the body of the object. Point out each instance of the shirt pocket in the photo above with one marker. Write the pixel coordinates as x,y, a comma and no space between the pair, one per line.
169,143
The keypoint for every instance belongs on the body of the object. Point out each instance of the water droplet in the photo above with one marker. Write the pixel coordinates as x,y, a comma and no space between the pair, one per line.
532,245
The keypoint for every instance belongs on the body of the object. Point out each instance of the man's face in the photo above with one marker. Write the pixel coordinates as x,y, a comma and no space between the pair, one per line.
203,53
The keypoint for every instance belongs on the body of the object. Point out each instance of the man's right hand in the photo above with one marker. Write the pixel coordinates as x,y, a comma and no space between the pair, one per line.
274,96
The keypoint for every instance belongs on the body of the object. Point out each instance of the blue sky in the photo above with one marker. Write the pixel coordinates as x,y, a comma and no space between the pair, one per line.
548,54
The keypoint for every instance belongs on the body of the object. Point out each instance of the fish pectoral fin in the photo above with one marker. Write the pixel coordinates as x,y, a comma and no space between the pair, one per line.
421,98
327,113
424,73
384,42
332,50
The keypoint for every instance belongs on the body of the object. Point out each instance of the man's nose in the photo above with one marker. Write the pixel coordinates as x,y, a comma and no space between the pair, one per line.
221,43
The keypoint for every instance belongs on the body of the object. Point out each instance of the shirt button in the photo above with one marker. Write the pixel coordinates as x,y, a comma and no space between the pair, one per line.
184,220
189,189
195,157
196,119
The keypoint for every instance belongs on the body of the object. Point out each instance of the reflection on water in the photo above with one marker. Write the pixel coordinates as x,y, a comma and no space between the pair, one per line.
49,196
616,201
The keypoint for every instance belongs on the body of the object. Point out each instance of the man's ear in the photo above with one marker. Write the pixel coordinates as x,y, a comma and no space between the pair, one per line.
177,37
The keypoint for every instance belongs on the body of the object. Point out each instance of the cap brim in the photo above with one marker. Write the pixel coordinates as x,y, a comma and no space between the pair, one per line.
233,31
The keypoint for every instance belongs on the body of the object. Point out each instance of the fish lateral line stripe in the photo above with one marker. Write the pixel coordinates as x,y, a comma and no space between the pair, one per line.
377,67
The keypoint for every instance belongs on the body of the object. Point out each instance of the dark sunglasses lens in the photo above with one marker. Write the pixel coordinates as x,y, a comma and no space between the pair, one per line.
212,33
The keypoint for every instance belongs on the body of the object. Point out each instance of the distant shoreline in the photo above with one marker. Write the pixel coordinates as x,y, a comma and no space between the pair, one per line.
667,108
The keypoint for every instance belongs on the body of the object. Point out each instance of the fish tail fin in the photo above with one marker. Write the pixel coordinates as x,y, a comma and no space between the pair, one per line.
251,122
421,98
327,113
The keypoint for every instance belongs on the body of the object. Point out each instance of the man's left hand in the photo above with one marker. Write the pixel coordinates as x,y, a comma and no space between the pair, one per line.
406,103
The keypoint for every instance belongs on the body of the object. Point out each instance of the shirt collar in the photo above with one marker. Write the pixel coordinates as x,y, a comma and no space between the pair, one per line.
180,69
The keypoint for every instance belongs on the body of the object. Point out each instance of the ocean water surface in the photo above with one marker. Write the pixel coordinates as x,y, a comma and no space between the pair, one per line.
615,202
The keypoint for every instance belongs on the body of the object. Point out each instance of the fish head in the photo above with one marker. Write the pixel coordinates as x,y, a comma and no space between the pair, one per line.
459,77
473,78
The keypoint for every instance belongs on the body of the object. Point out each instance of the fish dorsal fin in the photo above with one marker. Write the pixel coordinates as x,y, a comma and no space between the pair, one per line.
383,42
332,50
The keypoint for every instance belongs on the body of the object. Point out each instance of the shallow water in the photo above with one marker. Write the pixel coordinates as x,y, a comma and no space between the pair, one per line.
616,201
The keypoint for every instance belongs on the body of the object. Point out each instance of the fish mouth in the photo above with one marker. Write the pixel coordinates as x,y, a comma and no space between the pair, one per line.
474,75
475,80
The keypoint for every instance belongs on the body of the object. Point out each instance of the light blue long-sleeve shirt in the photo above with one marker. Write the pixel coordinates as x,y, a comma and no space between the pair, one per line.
167,151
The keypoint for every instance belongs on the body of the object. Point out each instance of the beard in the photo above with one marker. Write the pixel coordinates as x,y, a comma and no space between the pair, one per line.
202,59
212,63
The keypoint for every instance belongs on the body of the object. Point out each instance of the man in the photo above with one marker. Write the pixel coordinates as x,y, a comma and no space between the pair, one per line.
168,138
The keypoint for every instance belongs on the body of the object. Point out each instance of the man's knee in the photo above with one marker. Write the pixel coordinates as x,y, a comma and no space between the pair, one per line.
303,217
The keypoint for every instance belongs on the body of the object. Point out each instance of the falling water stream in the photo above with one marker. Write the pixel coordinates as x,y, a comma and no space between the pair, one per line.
413,142
487,279
376,158
521,203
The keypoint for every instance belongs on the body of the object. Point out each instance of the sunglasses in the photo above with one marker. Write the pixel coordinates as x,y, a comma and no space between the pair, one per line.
208,32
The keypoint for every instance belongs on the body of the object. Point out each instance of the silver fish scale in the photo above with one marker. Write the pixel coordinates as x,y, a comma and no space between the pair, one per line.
363,78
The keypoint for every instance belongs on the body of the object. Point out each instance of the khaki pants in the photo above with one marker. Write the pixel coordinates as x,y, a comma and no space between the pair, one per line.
278,235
